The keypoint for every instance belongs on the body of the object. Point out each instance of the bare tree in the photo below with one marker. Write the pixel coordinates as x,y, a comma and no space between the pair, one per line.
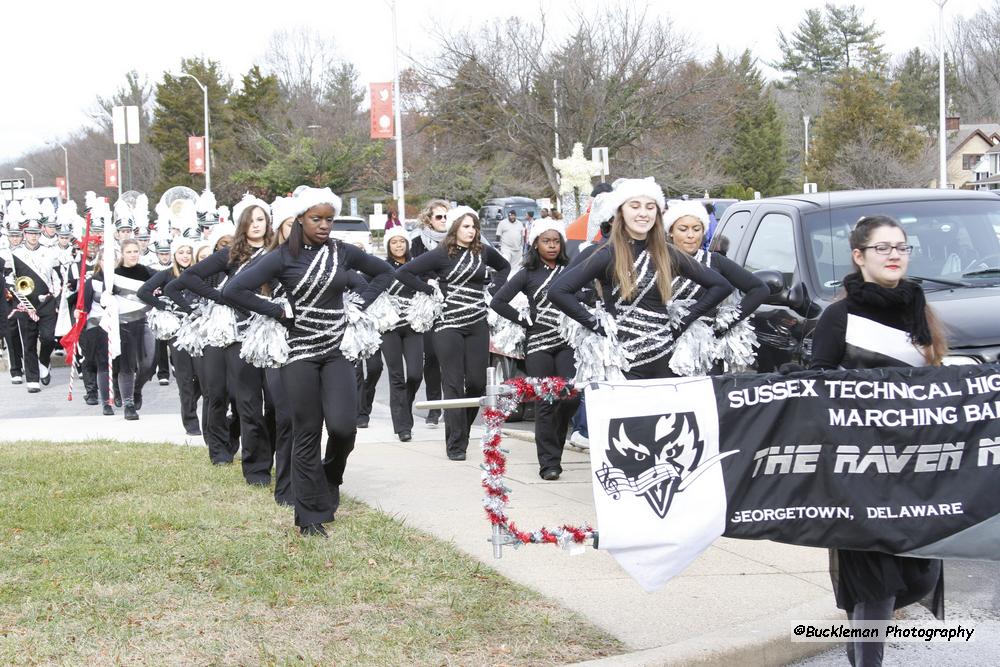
303,60
868,162
975,51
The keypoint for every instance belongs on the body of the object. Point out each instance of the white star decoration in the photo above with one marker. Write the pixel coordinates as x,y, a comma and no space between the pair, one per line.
575,171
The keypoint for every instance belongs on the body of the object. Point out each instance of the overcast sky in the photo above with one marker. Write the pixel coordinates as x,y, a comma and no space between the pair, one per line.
59,55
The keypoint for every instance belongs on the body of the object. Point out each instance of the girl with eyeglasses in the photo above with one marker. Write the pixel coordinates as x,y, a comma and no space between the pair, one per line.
431,233
882,321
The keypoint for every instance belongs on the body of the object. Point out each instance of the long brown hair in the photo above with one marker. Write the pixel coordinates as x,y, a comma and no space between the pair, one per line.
934,353
241,250
623,262
451,238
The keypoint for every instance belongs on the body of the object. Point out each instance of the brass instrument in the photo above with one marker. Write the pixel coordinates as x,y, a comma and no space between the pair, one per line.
24,285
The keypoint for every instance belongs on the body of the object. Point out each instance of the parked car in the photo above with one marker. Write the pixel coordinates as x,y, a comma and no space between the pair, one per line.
799,245
352,230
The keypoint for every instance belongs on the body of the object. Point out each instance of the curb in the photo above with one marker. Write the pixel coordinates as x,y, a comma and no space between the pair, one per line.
754,643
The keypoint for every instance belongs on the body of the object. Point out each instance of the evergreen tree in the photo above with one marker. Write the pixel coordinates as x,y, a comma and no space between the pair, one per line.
855,42
811,50
343,94
916,81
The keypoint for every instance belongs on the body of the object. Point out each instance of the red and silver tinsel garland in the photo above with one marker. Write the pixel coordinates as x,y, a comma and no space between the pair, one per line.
495,461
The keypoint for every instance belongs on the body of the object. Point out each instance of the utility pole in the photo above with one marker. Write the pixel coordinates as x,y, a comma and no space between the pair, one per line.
397,104
942,135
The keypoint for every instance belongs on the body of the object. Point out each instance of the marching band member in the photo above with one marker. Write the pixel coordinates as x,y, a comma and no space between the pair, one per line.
686,223
402,347
36,281
636,268
462,335
431,233
313,270
888,323
227,376
546,352
15,354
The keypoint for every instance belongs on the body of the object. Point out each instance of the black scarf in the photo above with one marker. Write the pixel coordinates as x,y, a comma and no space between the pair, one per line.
906,297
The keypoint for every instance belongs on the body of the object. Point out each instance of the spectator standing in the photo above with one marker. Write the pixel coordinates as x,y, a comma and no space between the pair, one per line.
510,237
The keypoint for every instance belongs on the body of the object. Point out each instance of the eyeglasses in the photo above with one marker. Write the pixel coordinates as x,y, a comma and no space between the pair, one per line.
440,216
886,248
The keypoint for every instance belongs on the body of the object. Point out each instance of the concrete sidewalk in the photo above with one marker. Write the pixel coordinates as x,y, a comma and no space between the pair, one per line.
733,605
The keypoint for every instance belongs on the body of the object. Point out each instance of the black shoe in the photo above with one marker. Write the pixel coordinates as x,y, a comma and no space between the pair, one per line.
460,456
196,431
47,378
313,530
363,421
108,410
137,401
550,475
259,482
90,399
118,401
405,436
223,463
130,413
432,420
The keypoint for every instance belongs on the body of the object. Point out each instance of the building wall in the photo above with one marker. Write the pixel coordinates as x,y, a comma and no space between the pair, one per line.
964,178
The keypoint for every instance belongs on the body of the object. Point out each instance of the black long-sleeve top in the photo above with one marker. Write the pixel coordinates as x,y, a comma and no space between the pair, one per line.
207,277
400,295
151,290
852,334
543,332
644,326
314,284
462,279
753,288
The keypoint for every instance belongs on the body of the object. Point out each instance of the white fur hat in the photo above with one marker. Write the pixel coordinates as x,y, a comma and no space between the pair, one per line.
543,225
393,233
308,197
282,208
220,230
679,208
455,214
245,203
600,212
630,188
181,242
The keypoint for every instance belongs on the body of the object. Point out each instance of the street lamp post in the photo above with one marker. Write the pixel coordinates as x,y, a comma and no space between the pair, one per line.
397,104
208,167
28,173
66,163
942,137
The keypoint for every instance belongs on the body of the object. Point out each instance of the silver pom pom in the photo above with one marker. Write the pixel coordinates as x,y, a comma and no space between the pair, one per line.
362,338
728,313
736,349
218,325
507,337
163,324
265,344
677,310
425,309
599,358
695,350
383,312
189,335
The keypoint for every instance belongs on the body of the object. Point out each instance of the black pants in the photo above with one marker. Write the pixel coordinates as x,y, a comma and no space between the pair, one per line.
198,364
283,435
245,384
187,388
38,339
654,370
432,372
403,350
15,353
213,384
162,360
464,354
552,419
367,373
869,654
320,391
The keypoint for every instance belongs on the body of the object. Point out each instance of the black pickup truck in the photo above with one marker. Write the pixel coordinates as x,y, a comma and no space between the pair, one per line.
799,244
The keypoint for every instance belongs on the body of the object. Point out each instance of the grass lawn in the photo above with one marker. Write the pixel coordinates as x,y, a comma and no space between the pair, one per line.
115,553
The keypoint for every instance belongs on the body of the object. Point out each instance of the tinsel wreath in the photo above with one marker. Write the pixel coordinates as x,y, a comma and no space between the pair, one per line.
189,335
495,461
598,358
425,309
163,324
384,312
265,342
362,338
218,325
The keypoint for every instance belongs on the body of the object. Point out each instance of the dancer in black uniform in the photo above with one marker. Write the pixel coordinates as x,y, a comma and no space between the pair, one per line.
429,236
462,336
546,351
227,376
402,347
888,323
152,293
313,270
635,269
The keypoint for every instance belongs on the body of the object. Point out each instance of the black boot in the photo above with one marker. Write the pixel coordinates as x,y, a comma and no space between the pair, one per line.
130,413
90,399
313,530
108,410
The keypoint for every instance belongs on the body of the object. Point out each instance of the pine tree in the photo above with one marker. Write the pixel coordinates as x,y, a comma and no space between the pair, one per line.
811,50
855,42
916,83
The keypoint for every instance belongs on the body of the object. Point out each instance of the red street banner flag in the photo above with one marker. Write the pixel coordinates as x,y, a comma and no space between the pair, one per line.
61,184
111,173
196,155
382,126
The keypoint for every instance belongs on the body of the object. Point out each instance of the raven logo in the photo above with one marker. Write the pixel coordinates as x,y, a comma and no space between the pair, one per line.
654,456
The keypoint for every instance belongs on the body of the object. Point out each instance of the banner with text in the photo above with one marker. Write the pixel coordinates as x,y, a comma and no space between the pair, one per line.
904,461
